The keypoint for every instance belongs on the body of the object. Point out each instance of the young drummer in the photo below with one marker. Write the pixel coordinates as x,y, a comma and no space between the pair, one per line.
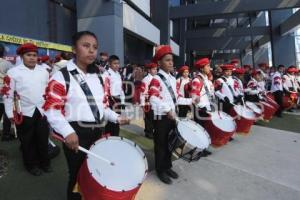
76,105
163,100
182,84
253,89
144,99
28,81
227,89
117,95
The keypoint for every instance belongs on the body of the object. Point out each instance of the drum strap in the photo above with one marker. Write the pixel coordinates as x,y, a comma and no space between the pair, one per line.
230,88
211,98
169,87
88,93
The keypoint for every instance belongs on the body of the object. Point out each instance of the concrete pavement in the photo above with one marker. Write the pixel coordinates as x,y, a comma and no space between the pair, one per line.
262,166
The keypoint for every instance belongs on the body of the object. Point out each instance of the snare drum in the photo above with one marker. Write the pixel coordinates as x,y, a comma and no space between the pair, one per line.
256,109
220,127
244,118
271,100
188,140
99,180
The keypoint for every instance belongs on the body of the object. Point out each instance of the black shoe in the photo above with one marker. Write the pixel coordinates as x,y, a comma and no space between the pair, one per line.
47,169
149,135
206,153
279,115
164,178
231,139
172,174
35,171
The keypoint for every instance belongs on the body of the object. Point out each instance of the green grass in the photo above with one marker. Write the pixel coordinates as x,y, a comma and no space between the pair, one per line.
288,123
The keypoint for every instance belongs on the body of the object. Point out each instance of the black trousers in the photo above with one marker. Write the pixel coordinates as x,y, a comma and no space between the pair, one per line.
183,110
200,115
114,128
162,128
148,119
33,134
6,121
278,95
87,135
252,98
224,106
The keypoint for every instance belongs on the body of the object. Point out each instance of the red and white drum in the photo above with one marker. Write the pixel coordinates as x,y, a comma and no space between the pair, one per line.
99,180
244,118
255,108
268,111
220,127
271,100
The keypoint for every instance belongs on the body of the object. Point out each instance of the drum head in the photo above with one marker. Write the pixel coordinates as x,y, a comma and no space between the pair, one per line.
253,107
223,121
130,167
194,134
244,112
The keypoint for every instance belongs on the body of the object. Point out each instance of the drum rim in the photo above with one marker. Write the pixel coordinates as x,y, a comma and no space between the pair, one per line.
227,115
136,146
198,125
234,107
257,107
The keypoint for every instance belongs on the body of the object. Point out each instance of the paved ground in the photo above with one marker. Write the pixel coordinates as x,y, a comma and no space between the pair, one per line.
262,166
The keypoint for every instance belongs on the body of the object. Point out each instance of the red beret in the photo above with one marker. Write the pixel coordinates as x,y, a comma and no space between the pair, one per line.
234,61
201,63
227,67
161,51
183,68
27,47
292,69
45,58
255,72
263,65
239,70
151,65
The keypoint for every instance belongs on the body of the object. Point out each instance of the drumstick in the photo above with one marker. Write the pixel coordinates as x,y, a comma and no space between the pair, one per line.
55,136
15,131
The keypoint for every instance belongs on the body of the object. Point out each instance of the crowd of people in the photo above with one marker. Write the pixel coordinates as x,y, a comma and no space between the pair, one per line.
81,97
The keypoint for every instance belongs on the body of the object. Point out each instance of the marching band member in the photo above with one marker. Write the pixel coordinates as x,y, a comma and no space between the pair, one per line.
61,61
253,89
227,89
289,80
182,84
277,90
239,78
45,62
144,99
76,104
290,84
117,95
163,100
4,67
263,68
202,88
29,81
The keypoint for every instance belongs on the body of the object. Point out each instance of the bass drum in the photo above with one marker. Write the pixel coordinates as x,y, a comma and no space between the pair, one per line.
98,180
188,140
